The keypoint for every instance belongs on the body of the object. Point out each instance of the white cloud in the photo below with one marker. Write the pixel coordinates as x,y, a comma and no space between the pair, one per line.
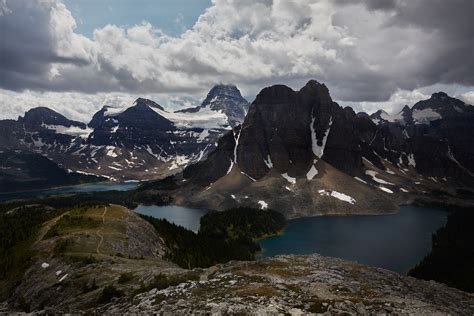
80,106
394,105
361,54
468,97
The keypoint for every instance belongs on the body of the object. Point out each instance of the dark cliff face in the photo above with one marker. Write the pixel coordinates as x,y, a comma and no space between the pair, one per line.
288,131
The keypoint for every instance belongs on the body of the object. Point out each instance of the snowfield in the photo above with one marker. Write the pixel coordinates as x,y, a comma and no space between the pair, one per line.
71,130
204,118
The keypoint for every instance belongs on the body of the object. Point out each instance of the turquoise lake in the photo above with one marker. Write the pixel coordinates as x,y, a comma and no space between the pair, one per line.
88,187
396,242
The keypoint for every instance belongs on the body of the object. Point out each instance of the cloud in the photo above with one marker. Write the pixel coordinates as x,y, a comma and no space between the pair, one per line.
393,105
80,106
467,97
367,51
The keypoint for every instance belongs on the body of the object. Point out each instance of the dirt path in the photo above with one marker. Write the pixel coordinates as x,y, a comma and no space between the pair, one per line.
45,229
99,234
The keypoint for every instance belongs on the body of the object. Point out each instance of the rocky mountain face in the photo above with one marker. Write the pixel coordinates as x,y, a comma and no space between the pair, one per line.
225,99
435,136
143,141
301,153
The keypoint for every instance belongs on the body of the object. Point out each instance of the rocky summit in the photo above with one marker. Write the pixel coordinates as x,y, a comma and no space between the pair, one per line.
226,99
302,153
300,285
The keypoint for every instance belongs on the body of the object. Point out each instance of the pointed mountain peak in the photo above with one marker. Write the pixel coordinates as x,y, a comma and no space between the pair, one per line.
147,102
223,92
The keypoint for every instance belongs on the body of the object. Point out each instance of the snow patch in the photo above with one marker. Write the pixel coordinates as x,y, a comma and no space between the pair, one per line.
288,178
111,151
360,180
63,277
44,265
338,195
71,130
411,160
114,129
404,190
312,173
248,176
230,167
263,205
268,162
113,111
386,190
373,174
318,151
236,139
203,135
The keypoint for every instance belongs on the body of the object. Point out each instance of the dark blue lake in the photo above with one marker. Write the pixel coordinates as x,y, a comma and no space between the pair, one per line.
187,217
396,242
88,187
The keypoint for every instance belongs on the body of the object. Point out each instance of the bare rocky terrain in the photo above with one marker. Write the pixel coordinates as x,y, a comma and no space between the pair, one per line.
299,285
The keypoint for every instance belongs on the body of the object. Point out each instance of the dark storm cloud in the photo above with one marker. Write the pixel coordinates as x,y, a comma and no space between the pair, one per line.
28,46
372,4
364,50
451,57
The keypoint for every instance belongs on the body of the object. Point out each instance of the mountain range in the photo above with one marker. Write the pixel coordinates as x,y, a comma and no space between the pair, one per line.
295,151
302,153
141,142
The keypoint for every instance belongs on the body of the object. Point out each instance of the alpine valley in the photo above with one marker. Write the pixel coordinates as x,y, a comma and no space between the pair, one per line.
246,171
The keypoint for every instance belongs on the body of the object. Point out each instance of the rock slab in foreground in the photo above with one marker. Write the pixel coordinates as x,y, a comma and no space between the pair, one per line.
300,284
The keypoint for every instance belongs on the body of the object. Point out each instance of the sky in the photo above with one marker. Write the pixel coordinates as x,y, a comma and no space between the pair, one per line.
77,55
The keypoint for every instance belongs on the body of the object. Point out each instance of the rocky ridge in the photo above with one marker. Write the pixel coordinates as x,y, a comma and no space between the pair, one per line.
301,285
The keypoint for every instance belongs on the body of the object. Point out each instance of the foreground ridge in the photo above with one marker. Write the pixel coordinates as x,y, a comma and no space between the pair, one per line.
300,284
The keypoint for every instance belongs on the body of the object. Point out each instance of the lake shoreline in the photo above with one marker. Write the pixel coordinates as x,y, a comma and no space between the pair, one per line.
330,235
